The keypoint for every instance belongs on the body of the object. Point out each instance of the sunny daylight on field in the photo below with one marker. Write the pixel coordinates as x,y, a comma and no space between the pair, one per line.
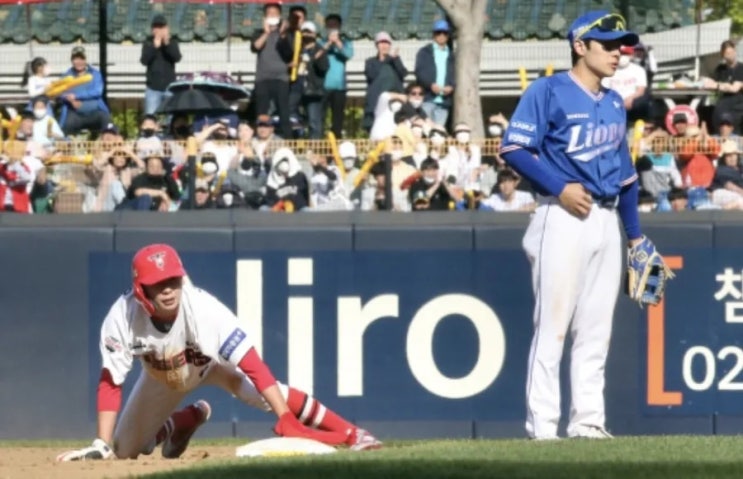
371,239
645,457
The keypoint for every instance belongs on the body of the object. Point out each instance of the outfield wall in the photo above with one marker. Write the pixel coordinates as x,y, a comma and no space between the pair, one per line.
415,325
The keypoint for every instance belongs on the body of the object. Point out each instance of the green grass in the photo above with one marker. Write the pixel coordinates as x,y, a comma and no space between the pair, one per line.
627,457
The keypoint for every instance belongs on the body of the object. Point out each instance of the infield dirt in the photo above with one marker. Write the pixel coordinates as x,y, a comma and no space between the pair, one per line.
40,463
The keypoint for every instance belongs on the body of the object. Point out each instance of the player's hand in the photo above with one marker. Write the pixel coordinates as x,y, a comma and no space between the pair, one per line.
435,88
289,426
576,199
96,451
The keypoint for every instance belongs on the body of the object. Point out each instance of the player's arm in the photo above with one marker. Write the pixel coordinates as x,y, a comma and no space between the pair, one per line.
629,197
232,345
523,142
117,362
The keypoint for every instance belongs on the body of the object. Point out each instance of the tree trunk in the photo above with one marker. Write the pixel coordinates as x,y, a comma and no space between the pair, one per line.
468,17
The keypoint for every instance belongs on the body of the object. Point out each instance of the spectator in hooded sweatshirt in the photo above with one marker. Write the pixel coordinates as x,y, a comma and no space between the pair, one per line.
286,182
160,53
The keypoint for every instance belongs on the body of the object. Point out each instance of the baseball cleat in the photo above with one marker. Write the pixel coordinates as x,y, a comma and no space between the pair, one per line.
591,432
362,440
177,441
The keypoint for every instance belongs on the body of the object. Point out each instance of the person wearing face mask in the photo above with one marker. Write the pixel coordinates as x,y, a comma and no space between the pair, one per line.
350,159
419,129
154,189
230,196
464,159
631,82
202,197
216,139
438,143
431,188
160,53
398,150
249,175
46,129
149,139
274,51
286,182
435,71
384,72
389,104
414,92
326,187
311,75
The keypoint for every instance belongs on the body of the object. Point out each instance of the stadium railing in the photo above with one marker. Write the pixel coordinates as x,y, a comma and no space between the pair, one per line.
76,166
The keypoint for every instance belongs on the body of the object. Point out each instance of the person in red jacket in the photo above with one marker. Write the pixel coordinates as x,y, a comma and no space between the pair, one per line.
185,338
14,179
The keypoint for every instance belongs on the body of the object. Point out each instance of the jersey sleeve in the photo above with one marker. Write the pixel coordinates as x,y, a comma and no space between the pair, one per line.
529,122
115,354
220,334
627,172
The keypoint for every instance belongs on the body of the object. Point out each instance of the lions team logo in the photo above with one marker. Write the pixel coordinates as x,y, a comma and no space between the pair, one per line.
158,259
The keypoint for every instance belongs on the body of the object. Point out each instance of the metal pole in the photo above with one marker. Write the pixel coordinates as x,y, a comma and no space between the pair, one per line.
387,182
103,45
229,38
698,51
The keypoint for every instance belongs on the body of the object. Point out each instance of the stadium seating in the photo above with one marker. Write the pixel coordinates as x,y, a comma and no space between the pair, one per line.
70,21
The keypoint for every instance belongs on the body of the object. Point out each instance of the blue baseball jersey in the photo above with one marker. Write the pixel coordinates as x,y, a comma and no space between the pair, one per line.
578,135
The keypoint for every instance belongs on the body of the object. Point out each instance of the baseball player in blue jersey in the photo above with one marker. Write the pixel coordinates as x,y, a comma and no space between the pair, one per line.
568,137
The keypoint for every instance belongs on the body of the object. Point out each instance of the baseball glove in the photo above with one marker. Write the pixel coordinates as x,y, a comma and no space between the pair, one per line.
647,273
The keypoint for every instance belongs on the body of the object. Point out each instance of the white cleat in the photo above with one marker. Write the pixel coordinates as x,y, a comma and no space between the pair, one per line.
364,441
591,432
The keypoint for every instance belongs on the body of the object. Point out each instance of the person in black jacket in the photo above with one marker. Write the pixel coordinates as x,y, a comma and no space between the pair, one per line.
274,53
384,72
160,53
434,70
429,192
313,66
286,183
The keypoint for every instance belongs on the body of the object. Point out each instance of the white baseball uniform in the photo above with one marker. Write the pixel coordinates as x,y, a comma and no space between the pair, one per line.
204,346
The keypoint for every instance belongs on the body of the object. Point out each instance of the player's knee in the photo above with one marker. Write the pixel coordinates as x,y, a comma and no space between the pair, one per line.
124,452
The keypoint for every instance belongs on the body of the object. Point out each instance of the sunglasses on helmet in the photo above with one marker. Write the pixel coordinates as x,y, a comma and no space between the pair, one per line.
608,23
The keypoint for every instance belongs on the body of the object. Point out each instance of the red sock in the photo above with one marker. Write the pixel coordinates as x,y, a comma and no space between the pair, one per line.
313,413
185,418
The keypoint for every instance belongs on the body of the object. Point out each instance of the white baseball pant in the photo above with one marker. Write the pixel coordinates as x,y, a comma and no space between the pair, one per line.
576,269
151,403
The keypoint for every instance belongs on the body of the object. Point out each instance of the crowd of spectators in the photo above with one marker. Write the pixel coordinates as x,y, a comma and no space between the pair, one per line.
414,160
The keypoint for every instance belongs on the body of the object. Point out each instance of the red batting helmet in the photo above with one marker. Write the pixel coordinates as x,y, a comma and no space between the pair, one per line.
625,50
152,264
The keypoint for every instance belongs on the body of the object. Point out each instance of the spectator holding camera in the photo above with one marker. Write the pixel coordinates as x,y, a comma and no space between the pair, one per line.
121,167
727,80
311,74
384,72
160,53
339,50
274,51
